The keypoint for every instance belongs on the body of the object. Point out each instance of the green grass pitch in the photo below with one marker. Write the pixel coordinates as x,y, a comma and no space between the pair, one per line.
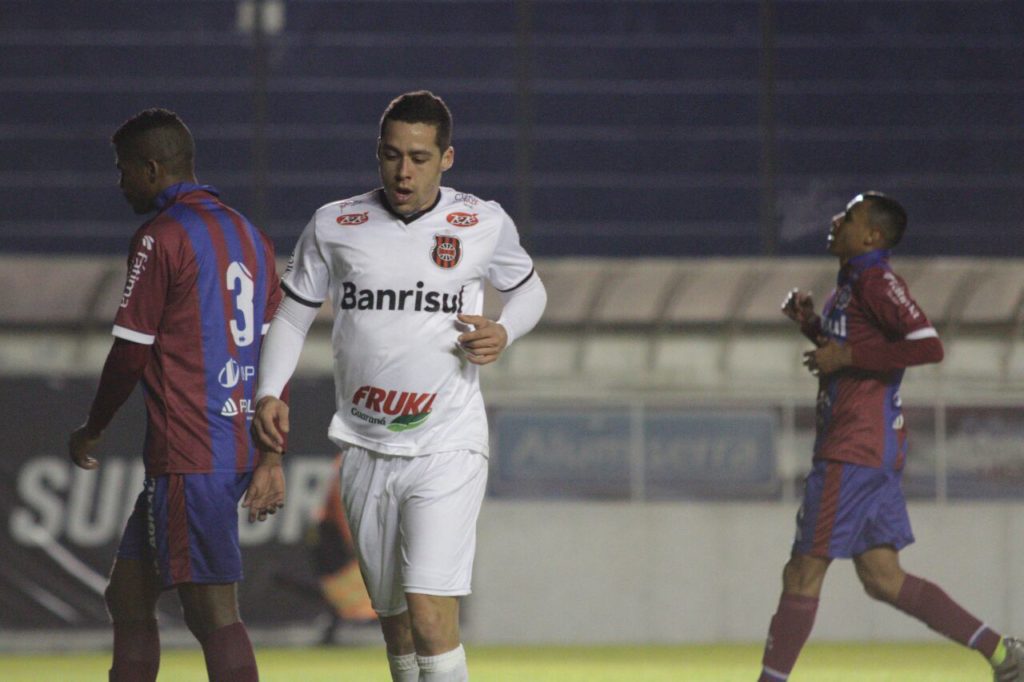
692,663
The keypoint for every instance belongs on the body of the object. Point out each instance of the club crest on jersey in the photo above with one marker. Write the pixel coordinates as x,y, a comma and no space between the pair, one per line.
843,297
446,251
460,219
346,219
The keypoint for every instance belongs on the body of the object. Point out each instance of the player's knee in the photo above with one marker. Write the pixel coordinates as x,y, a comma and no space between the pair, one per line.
434,632
397,632
196,624
203,623
207,608
427,624
125,603
113,598
802,577
883,587
874,589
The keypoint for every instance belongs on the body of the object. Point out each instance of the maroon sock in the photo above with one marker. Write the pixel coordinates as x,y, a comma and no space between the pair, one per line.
933,607
791,626
136,651
229,656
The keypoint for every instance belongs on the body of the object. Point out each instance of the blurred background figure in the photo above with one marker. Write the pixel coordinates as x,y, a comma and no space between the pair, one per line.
335,564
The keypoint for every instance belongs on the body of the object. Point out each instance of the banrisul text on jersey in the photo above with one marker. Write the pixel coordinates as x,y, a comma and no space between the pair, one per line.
416,300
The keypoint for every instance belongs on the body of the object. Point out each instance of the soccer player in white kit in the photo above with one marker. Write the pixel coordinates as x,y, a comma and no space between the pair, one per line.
403,267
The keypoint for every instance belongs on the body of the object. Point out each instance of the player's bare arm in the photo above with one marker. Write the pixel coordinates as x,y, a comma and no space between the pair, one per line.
122,369
266,493
486,342
830,357
270,424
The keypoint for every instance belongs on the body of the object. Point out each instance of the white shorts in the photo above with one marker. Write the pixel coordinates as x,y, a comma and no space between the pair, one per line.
413,522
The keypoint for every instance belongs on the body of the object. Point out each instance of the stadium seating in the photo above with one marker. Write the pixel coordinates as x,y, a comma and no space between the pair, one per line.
607,129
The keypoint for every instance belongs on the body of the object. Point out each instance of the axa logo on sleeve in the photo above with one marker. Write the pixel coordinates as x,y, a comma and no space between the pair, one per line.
353,218
134,273
409,408
417,300
462,219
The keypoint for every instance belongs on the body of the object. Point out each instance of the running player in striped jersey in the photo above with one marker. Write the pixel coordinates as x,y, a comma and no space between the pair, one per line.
870,331
200,292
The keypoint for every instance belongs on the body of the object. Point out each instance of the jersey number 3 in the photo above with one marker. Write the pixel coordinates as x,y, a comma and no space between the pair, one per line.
239,281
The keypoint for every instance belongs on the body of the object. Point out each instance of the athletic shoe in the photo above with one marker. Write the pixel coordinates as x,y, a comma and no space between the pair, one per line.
1011,669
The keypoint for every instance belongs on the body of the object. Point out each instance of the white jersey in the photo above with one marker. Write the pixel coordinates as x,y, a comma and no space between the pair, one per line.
402,384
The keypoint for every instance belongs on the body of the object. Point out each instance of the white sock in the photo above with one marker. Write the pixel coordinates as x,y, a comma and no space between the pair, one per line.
447,667
404,668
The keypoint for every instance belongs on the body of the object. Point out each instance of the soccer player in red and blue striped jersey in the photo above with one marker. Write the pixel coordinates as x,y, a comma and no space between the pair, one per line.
870,331
200,292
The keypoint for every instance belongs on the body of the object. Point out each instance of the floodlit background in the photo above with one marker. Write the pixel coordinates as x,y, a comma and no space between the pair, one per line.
672,165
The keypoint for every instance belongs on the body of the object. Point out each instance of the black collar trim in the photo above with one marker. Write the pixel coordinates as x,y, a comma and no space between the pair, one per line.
382,195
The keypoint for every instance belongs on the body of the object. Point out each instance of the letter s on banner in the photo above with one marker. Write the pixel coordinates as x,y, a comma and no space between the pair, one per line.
38,482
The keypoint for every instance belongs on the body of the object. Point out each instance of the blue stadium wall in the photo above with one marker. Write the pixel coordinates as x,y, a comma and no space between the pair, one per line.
606,128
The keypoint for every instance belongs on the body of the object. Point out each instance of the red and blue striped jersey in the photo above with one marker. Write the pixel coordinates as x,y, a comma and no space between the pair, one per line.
859,413
201,290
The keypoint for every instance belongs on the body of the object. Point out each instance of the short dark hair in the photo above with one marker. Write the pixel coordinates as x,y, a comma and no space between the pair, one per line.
157,134
887,215
421,106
